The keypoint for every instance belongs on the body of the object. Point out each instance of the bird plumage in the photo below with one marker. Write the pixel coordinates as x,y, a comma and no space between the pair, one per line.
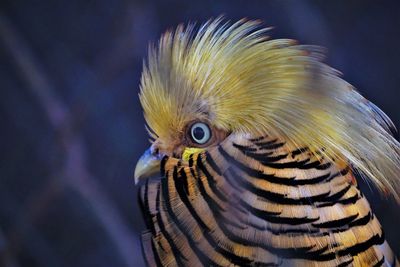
234,205
275,186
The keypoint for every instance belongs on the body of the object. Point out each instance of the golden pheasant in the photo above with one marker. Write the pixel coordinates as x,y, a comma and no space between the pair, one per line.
255,147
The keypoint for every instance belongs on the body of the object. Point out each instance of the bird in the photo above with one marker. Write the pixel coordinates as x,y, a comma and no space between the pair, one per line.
256,149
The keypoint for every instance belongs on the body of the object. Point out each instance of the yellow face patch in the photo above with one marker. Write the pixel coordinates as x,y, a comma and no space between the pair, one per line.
189,151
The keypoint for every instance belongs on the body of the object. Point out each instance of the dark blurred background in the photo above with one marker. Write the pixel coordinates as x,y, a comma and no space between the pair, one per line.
72,127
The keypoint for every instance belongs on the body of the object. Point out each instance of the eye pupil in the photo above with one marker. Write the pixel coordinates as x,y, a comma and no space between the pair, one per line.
198,133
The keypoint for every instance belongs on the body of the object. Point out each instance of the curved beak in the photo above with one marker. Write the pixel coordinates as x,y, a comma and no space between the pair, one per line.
147,166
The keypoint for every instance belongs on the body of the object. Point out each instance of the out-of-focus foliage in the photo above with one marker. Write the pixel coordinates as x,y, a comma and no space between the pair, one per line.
72,127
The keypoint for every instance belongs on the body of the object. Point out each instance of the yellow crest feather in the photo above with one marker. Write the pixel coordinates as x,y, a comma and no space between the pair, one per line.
233,76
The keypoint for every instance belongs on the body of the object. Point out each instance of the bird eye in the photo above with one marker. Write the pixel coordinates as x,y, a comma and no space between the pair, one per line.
200,133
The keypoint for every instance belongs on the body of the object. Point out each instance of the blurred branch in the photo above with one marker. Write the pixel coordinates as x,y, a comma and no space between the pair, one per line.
24,231
74,170
134,27
6,259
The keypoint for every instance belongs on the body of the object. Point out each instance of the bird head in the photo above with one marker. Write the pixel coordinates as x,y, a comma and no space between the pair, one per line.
203,84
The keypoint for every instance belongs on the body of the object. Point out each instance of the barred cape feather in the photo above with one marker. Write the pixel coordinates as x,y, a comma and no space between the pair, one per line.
243,82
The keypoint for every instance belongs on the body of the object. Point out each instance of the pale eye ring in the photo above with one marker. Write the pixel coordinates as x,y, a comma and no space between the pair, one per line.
200,133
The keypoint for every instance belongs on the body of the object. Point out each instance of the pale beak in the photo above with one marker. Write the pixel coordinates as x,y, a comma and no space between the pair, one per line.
147,166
